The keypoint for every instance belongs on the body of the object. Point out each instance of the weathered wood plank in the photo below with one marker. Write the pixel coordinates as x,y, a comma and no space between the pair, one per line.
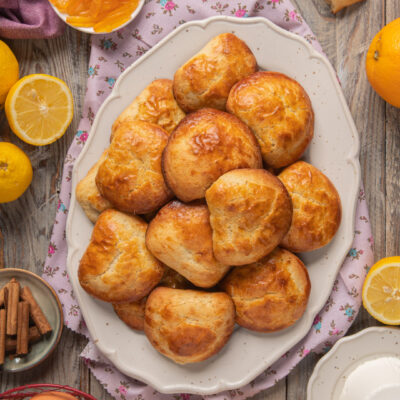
277,392
345,40
63,367
26,224
298,379
392,161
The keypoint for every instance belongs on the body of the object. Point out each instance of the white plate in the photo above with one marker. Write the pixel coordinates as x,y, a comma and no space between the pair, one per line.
349,353
91,30
334,150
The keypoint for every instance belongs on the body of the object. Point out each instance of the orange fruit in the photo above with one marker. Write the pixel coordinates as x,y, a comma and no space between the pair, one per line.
54,396
15,172
381,291
383,63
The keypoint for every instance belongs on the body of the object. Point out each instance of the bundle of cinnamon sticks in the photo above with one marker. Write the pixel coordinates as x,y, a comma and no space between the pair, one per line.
18,308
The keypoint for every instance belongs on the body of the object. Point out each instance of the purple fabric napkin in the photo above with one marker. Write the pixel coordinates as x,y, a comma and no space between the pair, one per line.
111,54
29,19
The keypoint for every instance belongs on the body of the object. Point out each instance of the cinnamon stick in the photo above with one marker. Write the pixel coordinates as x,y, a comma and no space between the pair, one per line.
2,295
23,328
13,289
36,312
3,292
34,337
3,324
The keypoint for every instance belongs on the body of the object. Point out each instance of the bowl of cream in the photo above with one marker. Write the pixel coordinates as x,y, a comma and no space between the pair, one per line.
371,379
364,366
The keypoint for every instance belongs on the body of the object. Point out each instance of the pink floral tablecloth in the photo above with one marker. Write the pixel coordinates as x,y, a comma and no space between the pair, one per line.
111,54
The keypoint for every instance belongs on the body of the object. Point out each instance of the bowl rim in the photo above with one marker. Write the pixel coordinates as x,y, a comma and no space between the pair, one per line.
60,309
383,330
90,30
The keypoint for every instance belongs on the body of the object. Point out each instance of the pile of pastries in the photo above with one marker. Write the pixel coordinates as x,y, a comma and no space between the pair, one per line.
200,202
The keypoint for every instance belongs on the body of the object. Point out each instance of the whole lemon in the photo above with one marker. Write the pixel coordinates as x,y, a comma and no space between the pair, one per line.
15,172
383,63
9,71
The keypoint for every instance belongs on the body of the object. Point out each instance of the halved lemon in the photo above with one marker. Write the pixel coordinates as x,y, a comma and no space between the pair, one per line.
381,291
39,109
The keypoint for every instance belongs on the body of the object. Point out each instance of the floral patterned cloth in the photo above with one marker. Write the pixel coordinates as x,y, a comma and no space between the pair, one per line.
112,54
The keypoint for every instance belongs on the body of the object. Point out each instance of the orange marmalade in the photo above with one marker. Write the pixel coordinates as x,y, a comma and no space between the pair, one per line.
101,15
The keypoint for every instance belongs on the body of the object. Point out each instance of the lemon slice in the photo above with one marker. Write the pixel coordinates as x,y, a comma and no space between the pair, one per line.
381,291
39,109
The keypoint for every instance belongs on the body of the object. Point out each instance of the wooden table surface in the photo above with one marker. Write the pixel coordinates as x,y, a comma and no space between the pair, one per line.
26,224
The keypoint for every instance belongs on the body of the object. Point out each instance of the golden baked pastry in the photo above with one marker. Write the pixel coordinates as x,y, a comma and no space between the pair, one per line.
316,207
180,236
155,104
130,177
250,213
132,313
205,80
205,145
279,112
88,195
116,266
270,294
188,326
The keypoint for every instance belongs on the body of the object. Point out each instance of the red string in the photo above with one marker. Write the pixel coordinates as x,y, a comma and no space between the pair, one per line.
17,393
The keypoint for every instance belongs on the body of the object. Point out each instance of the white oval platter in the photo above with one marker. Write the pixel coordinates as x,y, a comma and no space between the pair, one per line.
332,370
334,150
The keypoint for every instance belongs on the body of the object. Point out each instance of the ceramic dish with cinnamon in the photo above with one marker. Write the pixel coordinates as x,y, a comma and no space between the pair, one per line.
42,346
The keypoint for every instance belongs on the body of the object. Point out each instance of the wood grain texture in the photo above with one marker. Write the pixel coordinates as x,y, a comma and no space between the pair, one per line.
25,226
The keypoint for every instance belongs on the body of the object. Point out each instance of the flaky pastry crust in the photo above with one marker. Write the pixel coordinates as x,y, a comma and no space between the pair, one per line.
278,111
130,177
205,145
180,236
88,195
271,294
316,204
206,79
250,213
116,266
155,104
188,326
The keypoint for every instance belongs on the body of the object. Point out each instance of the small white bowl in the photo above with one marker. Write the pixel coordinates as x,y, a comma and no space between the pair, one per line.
91,30
362,366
